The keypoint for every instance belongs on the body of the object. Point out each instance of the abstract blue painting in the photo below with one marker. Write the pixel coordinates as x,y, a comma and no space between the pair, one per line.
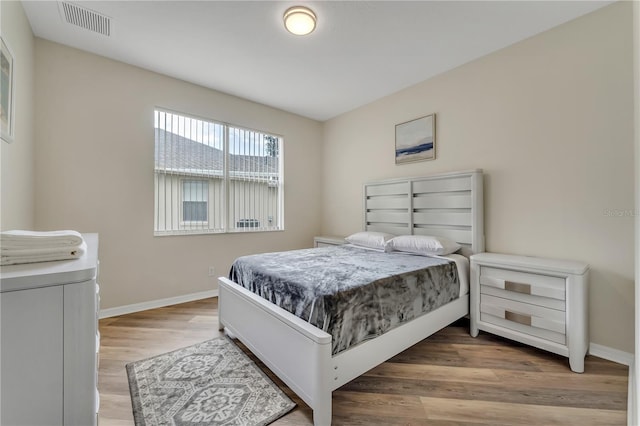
416,140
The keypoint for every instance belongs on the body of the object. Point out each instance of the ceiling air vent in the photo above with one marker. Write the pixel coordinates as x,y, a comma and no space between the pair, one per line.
85,18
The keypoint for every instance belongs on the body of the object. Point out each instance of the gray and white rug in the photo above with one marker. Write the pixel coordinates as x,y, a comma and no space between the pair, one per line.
211,383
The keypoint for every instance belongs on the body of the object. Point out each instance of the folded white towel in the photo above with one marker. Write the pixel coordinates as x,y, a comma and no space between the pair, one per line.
28,252
43,255
18,239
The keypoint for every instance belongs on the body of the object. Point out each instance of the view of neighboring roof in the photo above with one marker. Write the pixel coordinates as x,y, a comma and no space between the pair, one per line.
177,154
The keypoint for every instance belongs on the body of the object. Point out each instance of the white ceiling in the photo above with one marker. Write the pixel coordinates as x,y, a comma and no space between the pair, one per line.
361,50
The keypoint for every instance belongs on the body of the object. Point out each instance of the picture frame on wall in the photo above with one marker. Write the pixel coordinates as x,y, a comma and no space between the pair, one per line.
7,93
416,140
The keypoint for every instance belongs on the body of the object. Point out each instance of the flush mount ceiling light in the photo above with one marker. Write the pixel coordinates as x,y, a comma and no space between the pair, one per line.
299,20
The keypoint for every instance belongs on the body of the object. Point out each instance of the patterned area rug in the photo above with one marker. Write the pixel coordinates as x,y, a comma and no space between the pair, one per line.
211,383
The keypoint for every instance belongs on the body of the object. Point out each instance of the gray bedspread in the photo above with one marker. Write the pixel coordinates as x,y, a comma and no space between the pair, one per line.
353,294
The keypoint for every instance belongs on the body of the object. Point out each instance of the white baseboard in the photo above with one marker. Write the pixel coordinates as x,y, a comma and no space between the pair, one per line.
611,354
152,304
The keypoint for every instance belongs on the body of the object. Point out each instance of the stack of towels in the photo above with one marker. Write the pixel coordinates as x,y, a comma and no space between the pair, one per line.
30,247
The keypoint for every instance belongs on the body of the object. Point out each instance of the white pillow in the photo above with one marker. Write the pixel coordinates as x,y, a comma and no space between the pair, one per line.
423,244
374,240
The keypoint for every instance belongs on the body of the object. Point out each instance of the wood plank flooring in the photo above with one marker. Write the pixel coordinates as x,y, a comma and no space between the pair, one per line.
448,379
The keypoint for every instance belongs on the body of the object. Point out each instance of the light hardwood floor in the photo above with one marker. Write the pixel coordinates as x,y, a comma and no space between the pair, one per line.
448,379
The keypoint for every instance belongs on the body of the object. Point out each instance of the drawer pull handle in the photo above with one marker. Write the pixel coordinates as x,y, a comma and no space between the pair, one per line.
519,318
517,287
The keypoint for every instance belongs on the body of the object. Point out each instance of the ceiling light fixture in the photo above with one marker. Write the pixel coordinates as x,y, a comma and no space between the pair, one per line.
299,20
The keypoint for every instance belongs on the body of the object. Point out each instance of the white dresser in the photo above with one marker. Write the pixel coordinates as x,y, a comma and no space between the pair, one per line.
49,341
540,302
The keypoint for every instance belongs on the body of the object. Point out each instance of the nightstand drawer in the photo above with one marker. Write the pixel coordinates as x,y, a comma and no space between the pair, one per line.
323,244
523,282
525,318
547,302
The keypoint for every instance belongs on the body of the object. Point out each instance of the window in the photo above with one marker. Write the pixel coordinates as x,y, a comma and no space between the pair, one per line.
195,196
213,177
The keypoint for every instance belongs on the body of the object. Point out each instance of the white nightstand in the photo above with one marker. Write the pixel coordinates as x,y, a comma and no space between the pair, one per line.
324,241
540,302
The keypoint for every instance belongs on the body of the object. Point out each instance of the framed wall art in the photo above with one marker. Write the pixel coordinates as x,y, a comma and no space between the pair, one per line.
7,95
416,140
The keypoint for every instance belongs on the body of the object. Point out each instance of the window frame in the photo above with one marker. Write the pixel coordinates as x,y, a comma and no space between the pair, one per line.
226,228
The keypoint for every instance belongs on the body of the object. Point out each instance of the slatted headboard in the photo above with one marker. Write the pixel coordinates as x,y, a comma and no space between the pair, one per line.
444,205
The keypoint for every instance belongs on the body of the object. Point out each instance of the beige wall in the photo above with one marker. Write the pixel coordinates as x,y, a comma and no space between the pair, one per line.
95,172
17,159
550,120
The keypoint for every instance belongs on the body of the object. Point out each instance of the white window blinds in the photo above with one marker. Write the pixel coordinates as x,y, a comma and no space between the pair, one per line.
213,177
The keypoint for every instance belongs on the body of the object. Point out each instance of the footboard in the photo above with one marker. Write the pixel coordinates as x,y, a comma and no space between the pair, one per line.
294,350
300,354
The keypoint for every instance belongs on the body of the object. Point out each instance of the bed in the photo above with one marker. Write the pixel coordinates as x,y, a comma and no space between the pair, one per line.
446,205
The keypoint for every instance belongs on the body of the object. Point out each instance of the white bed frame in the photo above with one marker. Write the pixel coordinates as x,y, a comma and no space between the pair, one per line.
448,205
